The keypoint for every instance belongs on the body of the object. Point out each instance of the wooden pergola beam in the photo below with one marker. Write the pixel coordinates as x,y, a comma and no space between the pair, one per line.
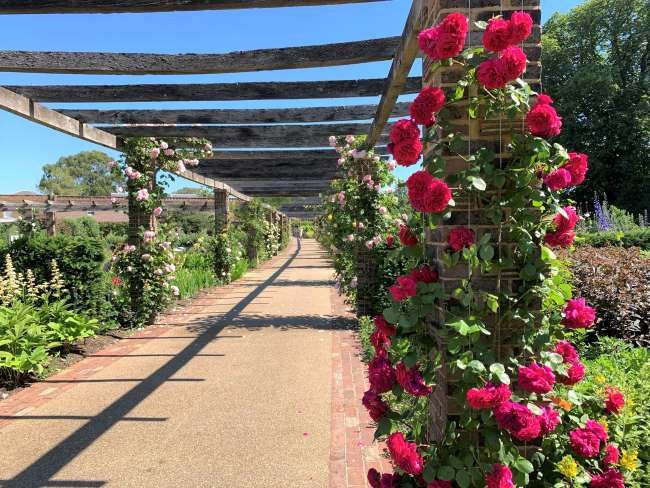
272,90
232,116
214,184
304,154
405,55
122,6
338,54
30,110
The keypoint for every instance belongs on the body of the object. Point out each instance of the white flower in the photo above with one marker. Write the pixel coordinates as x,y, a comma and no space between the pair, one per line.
349,139
383,210
143,194
163,145
169,152
155,152
332,141
175,290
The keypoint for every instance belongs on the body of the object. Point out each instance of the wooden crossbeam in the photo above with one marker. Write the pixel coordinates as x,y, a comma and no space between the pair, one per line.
260,168
122,6
338,54
232,116
405,55
273,90
30,110
249,136
214,184
303,154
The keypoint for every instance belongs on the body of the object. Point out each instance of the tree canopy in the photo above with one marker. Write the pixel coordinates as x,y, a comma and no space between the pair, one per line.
595,66
82,174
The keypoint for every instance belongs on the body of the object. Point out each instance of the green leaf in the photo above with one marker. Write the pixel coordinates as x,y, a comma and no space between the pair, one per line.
524,466
486,253
446,473
463,479
478,183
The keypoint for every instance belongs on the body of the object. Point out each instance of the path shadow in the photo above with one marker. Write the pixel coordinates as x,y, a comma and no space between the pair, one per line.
38,474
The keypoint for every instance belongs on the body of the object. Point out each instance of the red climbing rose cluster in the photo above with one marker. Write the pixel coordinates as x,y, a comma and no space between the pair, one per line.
426,193
405,145
445,40
461,237
543,120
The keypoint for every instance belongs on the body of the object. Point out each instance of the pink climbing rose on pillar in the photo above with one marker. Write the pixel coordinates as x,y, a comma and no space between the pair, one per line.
499,477
488,396
578,315
404,454
536,378
519,420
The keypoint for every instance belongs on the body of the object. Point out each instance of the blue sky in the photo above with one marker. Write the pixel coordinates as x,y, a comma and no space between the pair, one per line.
26,146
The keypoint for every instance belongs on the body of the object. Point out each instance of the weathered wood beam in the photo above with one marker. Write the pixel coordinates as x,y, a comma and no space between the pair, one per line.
273,90
30,110
405,55
211,183
338,54
249,136
232,116
121,6
303,154
253,169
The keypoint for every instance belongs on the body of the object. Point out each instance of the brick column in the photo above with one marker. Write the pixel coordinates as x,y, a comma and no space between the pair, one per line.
50,218
367,279
491,134
221,221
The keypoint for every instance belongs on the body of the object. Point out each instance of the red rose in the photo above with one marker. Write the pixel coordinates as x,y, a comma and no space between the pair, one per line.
488,396
575,374
404,130
381,374
598,429
549,419
611,455
424,274
406,152
609,479
536,378
429,102
404,454
426,193
578,315
460,238
577,167
543,121
563,234
374,404
512,62
568,352
521,27
405,287
406,237
517,419
542,98
382,325
446,40
615,400
558,179
497,34
390,240
412,381
386,480
491,75
584,443
499,477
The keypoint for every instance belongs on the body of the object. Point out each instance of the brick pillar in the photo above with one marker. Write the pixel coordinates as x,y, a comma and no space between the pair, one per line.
50,218
367,279
493,135
221,221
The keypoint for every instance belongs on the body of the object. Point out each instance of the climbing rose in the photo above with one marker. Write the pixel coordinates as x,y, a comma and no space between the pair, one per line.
488,396
405,287
578,315
517,419
460,238
597,428
406,152
615,400
143,194
390,240
584,443
568,352
512,63
404,130
563,234
499,477
424,274
381,374
491,75
445,40
543,120
558,179
521,27
381,324
380,338
386,480
158,211
497,34
575,374
374,404
429,102
406,237
426,193
440,484
404,454
536,378
577,166
611,455
549,419
609,479
412,381
155,152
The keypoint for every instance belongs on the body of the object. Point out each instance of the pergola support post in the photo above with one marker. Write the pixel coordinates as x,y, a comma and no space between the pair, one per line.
50,218
466,212
221,219
367,281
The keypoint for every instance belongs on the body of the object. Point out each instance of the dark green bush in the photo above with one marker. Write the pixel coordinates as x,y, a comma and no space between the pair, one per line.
80,227
117,228
80,261
632,238
616,281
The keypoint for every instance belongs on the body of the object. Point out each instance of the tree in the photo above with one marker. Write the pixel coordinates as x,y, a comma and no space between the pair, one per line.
83,174
596,68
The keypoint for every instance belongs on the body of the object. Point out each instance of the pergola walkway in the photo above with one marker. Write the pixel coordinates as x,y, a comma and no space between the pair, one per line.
253,384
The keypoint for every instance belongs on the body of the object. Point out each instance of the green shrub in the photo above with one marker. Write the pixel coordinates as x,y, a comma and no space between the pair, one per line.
633,238
617,282
80,227
191,280
366,328
80,261
115,228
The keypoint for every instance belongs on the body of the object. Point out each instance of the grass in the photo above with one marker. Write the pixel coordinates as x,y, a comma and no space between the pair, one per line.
191,281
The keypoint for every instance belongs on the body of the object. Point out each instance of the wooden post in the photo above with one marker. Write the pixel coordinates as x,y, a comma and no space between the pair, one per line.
221,220
50,218
468,212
